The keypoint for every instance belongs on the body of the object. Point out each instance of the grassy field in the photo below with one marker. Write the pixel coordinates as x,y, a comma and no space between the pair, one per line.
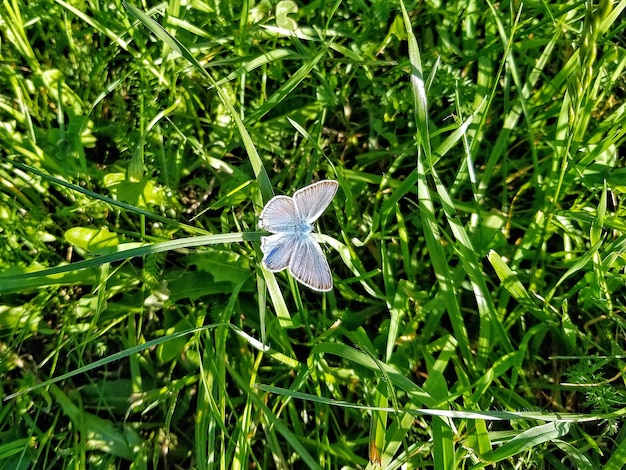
477,240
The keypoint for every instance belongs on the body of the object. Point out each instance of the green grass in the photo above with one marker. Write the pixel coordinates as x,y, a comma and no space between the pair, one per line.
477,239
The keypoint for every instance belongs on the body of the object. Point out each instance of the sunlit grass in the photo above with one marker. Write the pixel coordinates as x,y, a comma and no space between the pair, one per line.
476,239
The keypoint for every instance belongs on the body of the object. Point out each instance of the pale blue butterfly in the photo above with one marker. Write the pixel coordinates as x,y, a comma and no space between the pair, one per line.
292,246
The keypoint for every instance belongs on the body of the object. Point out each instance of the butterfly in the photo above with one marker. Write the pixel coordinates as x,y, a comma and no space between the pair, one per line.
290,220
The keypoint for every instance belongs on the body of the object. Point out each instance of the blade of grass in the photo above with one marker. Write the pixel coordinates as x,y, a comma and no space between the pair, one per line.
427,210
255,160
138,348
101,197
13,279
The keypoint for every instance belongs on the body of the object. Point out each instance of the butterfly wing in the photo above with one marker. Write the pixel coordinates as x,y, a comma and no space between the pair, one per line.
312,200
279,215
308,264
277,251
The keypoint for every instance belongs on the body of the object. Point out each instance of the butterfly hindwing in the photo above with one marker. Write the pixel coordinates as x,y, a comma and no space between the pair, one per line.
277,251
309,266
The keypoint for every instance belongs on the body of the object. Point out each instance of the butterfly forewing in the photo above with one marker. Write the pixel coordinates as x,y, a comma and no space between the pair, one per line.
312,200
280,215
309,266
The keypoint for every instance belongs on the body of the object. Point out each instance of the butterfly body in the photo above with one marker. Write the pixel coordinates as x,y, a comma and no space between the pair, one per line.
292,245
